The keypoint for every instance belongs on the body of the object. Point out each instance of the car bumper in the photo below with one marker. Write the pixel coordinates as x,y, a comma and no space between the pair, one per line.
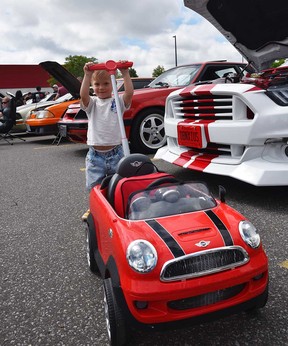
263,170
43,130
75,132
159,303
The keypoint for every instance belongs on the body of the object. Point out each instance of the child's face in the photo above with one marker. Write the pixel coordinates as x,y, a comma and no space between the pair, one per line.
102,86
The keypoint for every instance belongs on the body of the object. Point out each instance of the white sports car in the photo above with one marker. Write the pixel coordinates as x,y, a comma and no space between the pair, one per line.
236,126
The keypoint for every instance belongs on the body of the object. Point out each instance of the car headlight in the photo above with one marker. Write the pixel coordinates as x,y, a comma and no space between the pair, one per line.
141,256
44,114
249,234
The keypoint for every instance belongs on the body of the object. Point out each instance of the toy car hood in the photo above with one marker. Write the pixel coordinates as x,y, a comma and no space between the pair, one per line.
67,79
257,29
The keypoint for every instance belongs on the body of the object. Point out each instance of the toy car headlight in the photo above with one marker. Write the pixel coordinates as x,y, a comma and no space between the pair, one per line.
141,256
249,234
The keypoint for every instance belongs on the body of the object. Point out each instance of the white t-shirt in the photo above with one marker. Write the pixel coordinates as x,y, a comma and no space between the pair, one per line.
103,124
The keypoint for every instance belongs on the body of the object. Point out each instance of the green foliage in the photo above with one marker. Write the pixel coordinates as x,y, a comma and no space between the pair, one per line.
158,71
132,72
278,63
74,64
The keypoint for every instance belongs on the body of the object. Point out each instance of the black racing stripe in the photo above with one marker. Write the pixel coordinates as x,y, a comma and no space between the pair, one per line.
174,247
222,229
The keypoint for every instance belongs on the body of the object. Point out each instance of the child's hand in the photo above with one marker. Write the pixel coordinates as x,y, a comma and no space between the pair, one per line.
86,68
124,71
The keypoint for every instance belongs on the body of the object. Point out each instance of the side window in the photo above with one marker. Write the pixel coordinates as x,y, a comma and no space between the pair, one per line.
215,72
226,71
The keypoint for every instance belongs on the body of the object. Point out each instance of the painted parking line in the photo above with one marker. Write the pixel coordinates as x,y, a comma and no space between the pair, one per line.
284,264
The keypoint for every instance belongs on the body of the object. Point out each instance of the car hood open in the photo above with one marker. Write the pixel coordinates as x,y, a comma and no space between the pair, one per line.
256,28
70,82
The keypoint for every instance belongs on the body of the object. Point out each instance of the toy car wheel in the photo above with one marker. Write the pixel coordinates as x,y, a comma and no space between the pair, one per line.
148,133
115,324
90,248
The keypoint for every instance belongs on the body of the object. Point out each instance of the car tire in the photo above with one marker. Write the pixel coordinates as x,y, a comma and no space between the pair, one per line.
147,133
90,249
115,323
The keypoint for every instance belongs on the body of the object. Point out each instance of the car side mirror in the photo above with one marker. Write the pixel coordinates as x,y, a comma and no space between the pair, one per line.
222,193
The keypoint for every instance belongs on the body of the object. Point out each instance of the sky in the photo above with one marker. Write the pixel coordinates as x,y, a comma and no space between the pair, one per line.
139,31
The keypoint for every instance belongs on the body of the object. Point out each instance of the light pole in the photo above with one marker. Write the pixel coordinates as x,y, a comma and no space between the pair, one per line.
175,41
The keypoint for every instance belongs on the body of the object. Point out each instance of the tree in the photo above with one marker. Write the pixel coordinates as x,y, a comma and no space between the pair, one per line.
132,72
74,64
157,71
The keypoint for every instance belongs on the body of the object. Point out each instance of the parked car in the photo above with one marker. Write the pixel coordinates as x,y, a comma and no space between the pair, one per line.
138,83
237,129
43,120
144,121
169,253
23,111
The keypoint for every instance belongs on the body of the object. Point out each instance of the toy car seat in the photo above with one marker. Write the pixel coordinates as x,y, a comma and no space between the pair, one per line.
134,172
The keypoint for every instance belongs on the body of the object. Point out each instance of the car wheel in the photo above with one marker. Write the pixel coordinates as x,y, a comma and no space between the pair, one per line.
147,133
115,324
90,248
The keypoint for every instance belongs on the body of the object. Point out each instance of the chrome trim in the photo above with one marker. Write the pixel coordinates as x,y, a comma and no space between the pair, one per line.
204,272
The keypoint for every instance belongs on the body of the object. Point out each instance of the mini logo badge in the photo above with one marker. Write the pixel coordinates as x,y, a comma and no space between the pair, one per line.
203,243
136,163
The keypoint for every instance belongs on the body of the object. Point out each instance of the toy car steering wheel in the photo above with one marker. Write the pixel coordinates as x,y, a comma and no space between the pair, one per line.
164,180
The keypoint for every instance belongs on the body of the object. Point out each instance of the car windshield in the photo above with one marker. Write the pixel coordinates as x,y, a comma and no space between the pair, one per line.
176,77
172,199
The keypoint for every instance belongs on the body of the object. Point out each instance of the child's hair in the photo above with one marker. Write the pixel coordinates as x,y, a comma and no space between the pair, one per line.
99,74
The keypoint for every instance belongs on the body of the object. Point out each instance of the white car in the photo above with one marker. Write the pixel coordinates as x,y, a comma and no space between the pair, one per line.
234,126
23,111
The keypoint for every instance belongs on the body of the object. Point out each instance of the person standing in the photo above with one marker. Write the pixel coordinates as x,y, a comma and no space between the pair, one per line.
103,135
19,99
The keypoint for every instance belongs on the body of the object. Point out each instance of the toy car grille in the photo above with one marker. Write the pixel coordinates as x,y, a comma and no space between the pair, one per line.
204,263
206,299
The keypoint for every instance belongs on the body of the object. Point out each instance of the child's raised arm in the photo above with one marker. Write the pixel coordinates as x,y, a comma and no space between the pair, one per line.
128,86
85,85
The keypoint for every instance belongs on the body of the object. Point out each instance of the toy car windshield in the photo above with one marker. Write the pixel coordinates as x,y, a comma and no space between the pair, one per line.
169,199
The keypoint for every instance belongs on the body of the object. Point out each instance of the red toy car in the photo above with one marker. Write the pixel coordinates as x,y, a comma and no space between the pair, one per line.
169,252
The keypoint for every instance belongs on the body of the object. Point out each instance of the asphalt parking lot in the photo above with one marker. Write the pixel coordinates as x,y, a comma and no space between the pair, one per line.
48,295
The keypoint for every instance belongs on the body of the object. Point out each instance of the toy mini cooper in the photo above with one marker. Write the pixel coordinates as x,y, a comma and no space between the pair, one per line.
169,252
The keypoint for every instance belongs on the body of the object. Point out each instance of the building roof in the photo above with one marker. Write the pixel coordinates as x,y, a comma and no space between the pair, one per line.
23,76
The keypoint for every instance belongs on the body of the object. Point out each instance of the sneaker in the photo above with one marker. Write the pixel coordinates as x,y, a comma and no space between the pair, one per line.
85,215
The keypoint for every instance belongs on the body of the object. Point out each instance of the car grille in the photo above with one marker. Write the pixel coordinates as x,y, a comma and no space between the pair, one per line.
209,108
204,263
204,107
206,299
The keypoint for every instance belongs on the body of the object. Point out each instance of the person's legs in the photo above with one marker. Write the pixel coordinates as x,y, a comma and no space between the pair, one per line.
98,165
95,168
112,159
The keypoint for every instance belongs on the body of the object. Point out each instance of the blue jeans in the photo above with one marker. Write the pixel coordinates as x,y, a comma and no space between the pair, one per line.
99,165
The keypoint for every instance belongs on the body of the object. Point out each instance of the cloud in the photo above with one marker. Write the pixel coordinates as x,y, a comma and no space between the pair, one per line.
34,31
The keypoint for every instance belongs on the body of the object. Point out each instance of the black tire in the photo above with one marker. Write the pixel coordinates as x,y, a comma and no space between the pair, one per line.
147,133
115,323
90,249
